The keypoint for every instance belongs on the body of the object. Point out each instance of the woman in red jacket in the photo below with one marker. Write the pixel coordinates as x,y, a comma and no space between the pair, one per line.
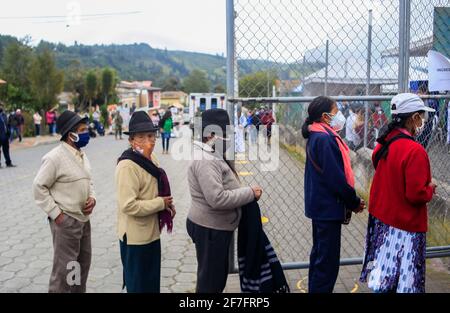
395,245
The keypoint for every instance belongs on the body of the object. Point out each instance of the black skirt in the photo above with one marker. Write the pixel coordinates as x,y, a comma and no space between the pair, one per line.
141,266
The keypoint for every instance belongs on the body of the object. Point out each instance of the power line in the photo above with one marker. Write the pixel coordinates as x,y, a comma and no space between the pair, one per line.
64,16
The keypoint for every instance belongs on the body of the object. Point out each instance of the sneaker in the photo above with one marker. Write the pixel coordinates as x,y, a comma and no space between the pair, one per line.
11,165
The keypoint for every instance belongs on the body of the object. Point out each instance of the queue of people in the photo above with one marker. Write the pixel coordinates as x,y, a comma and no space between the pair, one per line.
394,258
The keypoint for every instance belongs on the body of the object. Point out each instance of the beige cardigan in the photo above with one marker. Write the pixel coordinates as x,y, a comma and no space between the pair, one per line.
138,203
63,184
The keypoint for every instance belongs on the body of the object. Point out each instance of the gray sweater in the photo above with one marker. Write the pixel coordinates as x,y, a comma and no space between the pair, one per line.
216,193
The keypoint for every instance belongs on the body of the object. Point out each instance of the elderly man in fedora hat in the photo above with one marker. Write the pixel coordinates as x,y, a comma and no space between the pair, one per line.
63,189
217,198
144,205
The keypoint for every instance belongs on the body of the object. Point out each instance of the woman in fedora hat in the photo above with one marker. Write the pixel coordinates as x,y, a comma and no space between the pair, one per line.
63,189
144,205
217,198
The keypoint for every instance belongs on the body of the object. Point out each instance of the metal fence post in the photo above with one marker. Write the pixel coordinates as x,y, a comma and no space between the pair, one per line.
369,64
404,41
327,51
231,93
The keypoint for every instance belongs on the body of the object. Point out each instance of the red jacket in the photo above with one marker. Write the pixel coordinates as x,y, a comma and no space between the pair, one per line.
400,191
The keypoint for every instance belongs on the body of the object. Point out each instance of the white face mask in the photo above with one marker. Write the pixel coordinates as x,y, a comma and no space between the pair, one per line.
139,150
419,130
337,121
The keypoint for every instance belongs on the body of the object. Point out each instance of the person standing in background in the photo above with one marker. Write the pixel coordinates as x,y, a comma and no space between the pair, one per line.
37,118
166,126
118,123
13,123
50,119
4,138
20,123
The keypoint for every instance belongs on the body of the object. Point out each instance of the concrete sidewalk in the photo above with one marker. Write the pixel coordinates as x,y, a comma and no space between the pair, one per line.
28,142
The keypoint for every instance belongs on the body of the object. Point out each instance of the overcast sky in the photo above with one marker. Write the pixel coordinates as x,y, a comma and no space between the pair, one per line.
286,28
193,25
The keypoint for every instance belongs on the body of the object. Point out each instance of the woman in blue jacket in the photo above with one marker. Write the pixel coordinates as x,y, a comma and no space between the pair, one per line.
329,190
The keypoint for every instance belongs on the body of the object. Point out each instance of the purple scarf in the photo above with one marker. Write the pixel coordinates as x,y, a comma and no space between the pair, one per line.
165,218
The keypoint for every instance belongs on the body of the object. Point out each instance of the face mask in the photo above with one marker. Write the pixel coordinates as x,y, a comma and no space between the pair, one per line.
419,130
139,150
337,121
81,140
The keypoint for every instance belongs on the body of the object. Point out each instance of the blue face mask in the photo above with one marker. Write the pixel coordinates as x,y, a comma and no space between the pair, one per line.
81,140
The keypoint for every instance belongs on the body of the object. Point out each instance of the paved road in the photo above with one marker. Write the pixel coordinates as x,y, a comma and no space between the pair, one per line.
26,250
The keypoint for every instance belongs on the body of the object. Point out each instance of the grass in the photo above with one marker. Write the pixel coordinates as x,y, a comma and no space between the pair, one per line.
296,152
438,232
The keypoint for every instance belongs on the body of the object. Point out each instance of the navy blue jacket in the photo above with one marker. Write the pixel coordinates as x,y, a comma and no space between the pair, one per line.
327,194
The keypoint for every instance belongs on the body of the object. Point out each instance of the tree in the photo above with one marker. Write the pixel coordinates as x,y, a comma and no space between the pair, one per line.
258,84
74,81
47,80
171,84
196,82
15,69
108,82
91,87
219,89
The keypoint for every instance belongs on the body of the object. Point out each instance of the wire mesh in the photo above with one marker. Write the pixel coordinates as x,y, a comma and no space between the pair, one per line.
287,48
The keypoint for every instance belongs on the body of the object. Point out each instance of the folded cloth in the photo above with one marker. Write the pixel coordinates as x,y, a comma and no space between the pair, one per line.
259,268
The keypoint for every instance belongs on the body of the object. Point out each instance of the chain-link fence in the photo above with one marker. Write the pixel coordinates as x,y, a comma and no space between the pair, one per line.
282,53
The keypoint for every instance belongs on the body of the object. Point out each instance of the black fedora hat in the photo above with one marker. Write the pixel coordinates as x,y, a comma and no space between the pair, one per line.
140,122
216,117
68,120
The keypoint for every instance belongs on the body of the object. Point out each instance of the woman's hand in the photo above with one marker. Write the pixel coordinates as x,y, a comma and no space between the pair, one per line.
168,202
433,186
172,211
257,191
362,207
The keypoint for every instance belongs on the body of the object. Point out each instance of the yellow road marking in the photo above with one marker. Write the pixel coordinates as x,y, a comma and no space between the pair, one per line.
355,289
245,174
300,285
242,162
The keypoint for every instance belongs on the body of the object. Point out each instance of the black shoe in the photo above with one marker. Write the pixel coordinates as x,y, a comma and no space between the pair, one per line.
11,165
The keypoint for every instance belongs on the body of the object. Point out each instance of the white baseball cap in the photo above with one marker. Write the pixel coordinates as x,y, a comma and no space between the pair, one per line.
408,103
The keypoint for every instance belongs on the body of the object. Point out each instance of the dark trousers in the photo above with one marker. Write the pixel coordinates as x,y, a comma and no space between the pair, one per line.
324,258
15,130
119,131
212,247
141,266
165,140
4,143
37,129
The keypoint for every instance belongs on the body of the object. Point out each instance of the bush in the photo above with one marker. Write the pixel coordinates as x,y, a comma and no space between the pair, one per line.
28,128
